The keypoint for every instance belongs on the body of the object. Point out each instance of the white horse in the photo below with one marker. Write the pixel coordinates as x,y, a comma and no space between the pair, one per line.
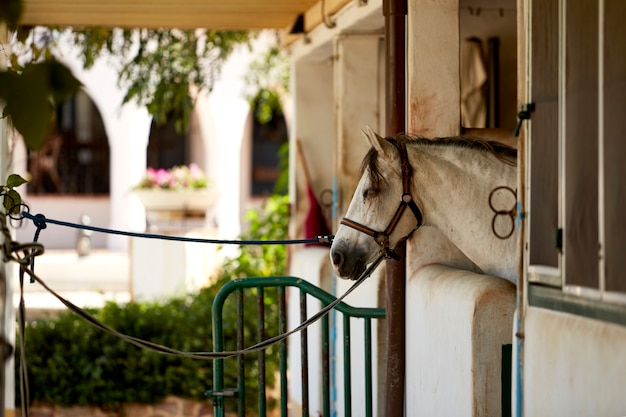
463,187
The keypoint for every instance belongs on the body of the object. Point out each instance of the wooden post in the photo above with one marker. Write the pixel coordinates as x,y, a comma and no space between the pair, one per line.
395,86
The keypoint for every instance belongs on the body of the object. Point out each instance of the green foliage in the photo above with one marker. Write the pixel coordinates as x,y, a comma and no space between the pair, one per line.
12,199
72,363
266,105
30,94
262,260
160,67
267,82
282,183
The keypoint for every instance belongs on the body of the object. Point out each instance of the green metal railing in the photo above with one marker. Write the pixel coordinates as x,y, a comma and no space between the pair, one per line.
221,394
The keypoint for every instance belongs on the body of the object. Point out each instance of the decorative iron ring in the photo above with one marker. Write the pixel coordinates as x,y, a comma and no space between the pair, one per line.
511,213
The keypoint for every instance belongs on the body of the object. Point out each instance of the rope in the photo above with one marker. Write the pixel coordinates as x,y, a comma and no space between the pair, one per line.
155,347
40,221
24,254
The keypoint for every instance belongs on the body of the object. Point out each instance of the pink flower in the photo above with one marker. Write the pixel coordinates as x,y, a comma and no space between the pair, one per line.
176,178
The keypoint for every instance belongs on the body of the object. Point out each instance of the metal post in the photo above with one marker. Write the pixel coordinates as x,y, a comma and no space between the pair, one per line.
395,12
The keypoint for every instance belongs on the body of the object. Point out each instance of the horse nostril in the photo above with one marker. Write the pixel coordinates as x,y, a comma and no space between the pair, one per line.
337,258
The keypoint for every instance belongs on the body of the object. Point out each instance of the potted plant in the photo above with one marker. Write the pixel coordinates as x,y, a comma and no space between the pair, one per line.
183,190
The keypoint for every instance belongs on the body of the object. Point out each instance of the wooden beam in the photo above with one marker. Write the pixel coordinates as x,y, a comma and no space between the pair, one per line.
235,14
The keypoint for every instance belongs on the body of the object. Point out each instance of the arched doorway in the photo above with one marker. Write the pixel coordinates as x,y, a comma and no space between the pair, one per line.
268,140
75,159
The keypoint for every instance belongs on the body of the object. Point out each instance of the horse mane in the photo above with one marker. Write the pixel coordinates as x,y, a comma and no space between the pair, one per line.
502,152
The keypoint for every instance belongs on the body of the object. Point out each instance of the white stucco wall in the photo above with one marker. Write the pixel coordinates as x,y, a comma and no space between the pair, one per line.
8,271
566,358
127,128
69,209
457,323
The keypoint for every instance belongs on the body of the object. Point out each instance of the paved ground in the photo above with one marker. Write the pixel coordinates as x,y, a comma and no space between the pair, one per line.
87,281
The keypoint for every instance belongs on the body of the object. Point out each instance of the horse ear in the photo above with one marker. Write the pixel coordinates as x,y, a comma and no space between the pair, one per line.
379,143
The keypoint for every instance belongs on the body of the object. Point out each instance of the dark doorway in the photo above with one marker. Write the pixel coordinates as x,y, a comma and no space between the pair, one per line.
267,140
75,158
166,147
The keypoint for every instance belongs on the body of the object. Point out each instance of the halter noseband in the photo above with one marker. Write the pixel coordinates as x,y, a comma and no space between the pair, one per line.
382,238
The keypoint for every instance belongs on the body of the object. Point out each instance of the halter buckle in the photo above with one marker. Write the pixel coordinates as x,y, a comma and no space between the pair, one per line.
389,253
382,239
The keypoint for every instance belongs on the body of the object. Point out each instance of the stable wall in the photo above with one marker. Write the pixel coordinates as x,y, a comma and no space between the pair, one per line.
565,358
457,324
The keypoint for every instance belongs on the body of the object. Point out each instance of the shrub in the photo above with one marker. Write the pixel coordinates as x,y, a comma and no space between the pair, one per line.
72,363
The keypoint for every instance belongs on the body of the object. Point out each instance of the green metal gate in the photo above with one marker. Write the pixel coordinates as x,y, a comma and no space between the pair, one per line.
235,397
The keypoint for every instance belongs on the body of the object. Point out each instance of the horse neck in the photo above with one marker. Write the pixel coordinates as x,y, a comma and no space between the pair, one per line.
452,187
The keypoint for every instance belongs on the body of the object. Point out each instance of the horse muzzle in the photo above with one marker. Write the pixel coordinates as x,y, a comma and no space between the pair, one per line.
348,265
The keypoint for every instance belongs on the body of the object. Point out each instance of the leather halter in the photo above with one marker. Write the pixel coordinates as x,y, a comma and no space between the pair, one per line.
382,238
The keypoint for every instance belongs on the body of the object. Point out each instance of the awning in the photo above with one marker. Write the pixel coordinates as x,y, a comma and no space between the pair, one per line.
182,14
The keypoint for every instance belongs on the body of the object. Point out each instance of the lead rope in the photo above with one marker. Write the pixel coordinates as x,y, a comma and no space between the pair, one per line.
40,221
155,347
24,255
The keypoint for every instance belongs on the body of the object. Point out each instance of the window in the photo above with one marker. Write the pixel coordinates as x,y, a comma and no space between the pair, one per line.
577,175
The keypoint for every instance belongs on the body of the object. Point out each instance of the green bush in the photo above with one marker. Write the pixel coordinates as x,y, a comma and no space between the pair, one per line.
72,363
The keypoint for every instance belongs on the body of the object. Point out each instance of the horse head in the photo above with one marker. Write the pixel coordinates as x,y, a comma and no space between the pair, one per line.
372,225
463,187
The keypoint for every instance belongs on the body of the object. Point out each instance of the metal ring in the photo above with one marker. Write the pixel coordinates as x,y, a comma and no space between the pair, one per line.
502,187
493,226
512,213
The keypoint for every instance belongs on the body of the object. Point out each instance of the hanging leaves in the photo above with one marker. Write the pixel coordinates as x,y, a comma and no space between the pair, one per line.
267,82
159,68
30,97
12,200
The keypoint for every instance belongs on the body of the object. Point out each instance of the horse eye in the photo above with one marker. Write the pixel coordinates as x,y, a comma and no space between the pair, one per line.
369,192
